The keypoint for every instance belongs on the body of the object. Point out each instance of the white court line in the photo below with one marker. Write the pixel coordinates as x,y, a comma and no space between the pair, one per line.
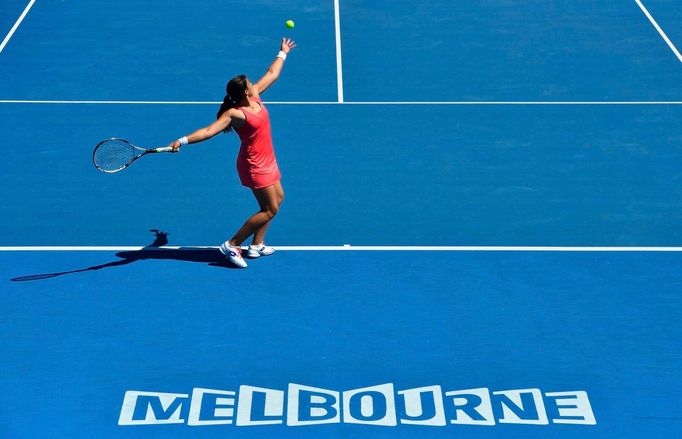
660,31
507,103
94,102
16,25
339,68
362,248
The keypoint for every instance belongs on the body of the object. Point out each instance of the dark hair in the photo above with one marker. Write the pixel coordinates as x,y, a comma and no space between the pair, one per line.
235,92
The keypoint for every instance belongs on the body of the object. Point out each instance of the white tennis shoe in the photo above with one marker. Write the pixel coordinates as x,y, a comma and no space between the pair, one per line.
256,251
233,254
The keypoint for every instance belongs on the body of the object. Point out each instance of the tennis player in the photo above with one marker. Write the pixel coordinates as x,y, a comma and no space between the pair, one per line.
243,111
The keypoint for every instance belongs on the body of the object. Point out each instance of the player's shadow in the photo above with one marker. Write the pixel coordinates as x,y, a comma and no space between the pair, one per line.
155,250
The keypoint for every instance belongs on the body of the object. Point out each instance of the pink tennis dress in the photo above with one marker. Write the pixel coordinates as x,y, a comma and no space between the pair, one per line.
256,163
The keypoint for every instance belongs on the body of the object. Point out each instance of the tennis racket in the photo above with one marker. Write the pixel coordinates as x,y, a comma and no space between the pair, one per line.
113,155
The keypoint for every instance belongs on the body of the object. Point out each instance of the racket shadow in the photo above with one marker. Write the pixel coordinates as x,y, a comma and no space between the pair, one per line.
206,255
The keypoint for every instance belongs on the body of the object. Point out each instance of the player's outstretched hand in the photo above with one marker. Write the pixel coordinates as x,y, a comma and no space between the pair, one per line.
287,45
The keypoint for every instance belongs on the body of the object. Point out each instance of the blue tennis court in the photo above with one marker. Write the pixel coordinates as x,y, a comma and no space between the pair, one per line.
480,236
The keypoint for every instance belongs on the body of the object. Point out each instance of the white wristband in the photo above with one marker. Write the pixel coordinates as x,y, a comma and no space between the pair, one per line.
183,141
282,55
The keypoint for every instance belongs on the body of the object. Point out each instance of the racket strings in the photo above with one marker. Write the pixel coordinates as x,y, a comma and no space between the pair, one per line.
113,155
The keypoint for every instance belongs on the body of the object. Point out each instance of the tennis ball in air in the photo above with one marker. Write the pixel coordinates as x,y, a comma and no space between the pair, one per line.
290,24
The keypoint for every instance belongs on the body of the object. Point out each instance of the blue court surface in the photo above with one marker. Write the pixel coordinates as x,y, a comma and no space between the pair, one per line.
480,237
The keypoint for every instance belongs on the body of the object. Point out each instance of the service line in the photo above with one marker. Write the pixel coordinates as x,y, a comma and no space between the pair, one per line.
454,103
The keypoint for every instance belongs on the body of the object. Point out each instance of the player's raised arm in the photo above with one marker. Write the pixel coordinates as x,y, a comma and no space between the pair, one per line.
275,68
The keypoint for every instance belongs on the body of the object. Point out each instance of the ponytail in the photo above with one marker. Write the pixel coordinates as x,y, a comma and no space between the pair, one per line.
235,92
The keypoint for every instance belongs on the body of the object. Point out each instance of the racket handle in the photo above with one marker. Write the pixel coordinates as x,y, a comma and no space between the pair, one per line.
163,149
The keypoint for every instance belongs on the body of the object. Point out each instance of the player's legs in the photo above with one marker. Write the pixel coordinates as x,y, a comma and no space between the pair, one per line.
269,201
259,236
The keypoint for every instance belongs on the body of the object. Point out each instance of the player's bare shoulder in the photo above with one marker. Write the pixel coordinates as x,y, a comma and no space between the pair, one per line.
236,114
237,117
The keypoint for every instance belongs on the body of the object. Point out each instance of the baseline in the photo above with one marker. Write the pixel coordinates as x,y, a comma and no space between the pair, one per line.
347,247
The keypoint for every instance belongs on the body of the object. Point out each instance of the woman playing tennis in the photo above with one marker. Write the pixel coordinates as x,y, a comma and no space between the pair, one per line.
243,111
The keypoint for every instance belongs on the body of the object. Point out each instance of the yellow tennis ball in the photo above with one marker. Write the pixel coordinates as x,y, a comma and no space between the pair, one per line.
290,24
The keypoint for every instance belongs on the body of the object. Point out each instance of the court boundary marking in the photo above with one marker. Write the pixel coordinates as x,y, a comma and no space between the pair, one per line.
339,66
660,31
16,25
454,103
347,247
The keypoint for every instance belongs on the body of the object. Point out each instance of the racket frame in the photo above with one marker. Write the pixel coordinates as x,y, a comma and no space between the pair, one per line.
143,151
